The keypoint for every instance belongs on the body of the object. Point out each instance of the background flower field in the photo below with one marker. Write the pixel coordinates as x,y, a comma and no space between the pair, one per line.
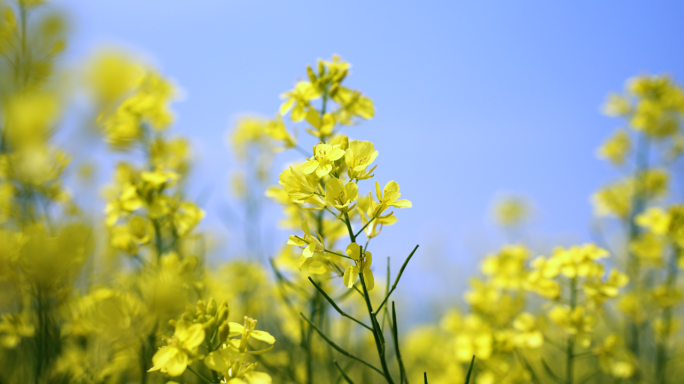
405,218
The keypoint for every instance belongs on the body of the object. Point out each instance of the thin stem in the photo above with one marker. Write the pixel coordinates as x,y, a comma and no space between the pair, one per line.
338,254
364,227
396,281
200,375
332,302
638,202
661,349
470,370
395,336
343,373
379,340
337,347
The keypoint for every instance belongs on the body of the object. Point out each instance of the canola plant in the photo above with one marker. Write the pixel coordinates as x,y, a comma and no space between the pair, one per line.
129,295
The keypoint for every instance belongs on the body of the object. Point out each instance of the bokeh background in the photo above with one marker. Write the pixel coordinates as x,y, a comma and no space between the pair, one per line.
474,100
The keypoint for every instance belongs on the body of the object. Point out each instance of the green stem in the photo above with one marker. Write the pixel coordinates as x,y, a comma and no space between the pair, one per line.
337,347
638,203
343,373
379,339
395,335
199,375
340,311
661,349
396,281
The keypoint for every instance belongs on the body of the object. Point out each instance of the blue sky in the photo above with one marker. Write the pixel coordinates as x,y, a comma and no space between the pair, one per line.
472,98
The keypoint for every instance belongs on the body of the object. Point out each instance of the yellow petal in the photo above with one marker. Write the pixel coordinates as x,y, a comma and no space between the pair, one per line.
254,377
350,276
163,356
216,362
176,366
309,166
263,336
368,279
194,337
354,251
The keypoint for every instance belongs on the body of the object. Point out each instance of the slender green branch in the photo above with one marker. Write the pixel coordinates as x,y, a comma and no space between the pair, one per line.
527,364
377,334
343,373
396,281
338,254
200,375
332,302
364,227
470,370
287,282
425,377
349,228
395,336
338,348
550,372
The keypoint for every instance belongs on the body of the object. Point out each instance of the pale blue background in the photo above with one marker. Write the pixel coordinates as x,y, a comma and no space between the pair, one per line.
472,98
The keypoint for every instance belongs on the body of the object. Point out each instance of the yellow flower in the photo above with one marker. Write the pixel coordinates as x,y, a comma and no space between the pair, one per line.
511,211
528,336
300,187
340,196
599,291
308,243
655,219
614,200
580,261
113,74
363,260
507,267
229,360
322,161
277,131
352,104
574,322
389,198
187,216
14,327
324,126
648,248
616,105
653,183
180,349
298,100
616,148
359,156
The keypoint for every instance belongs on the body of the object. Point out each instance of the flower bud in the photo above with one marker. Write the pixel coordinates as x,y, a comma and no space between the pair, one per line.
224,331
201,308
333,89
311,74
321,68
211,307
223,315
172,324
209,325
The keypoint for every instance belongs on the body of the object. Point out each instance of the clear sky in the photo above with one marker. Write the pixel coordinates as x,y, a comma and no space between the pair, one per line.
472,97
